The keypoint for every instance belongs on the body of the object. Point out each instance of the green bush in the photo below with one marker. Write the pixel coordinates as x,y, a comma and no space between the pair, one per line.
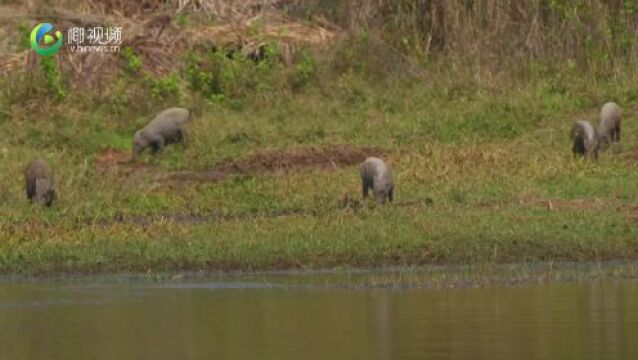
133,63
224,74
164,87
52,76
305,71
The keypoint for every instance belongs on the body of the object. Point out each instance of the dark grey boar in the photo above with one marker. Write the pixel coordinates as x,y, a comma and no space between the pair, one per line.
376,175
39,182
584,139
166,128
610,119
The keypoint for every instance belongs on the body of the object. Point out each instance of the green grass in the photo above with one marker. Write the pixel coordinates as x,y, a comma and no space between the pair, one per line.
487,157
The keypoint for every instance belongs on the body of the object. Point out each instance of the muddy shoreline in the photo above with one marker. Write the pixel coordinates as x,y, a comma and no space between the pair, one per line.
397,278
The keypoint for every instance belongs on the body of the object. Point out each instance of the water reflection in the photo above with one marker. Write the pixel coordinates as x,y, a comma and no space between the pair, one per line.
277,319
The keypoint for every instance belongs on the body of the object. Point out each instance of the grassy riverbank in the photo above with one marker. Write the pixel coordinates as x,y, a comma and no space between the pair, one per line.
506,190
481,158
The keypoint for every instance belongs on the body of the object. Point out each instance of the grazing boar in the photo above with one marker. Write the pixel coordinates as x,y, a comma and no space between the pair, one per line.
39,183
166,128
610,119
584,139
376,175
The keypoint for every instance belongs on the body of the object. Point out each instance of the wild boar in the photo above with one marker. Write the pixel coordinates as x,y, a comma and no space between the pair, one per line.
376,175
584,139
610,119
166,128
39,183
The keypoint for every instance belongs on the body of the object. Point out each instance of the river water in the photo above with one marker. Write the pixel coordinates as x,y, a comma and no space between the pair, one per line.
309,317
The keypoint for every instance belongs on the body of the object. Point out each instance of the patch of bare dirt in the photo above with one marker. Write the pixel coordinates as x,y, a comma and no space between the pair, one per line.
275,160
630,211
564,204
270,161
594,204
124,165
632,155
109,158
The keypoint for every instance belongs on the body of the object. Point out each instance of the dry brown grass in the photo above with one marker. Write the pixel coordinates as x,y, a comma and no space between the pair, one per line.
492,31
480,36
149,28
250,35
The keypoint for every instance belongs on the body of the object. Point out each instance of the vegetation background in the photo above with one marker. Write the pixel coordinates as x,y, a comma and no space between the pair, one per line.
469,101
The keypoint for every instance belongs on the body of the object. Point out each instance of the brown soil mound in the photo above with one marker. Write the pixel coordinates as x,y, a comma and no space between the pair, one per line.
575,204
595,204
630,211
274,160
109,158
632,155
278,160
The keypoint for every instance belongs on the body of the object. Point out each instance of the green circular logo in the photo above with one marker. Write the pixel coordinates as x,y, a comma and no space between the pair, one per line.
44,43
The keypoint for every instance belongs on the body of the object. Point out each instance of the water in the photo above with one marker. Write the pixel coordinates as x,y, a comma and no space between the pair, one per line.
309,317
